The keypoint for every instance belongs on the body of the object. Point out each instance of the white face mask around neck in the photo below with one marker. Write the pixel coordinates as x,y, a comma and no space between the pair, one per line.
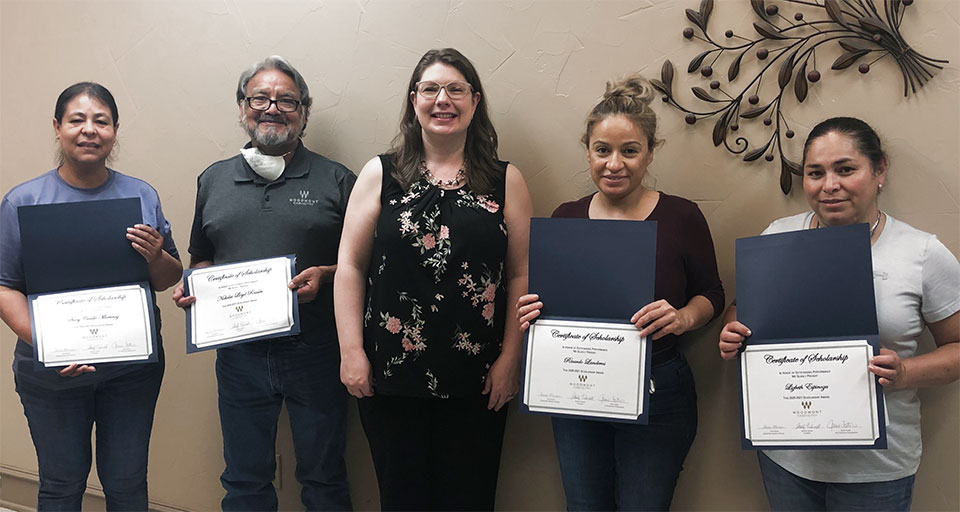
268,167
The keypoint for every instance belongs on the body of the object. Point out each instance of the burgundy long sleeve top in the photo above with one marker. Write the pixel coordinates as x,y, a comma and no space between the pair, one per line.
686,260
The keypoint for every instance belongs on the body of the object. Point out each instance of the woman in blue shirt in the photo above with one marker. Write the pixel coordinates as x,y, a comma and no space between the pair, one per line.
62,405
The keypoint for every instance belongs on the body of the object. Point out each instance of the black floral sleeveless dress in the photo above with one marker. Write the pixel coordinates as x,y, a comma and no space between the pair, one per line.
436,298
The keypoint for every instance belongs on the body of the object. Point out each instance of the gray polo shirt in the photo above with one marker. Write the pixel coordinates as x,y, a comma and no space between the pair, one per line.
241,216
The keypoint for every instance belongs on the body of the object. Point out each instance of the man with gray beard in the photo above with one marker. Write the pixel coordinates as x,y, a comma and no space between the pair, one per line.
278,198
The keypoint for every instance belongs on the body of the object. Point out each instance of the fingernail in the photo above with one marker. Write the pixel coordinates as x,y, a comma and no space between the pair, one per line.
749,332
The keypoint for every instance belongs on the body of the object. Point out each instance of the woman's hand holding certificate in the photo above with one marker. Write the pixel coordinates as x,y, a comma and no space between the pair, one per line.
241,302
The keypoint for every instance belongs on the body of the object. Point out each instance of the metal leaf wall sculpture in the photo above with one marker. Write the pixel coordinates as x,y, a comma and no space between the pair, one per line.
787,49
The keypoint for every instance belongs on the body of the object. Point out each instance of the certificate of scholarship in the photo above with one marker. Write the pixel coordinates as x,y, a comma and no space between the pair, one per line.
240,302
585,368
815,393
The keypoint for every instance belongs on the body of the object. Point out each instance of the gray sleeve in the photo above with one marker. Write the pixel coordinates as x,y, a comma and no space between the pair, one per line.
941,282
166,232
11,265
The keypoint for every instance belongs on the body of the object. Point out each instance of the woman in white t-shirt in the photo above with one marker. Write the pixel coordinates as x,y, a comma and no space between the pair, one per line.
917,285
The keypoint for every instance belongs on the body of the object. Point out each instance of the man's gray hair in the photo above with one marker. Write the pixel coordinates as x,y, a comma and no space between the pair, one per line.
279,63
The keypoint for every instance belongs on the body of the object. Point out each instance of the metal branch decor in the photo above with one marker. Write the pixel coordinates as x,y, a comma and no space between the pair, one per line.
787,49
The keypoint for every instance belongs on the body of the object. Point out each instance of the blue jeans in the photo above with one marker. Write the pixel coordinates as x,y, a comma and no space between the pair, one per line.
787,491
61,422
611,466
254,380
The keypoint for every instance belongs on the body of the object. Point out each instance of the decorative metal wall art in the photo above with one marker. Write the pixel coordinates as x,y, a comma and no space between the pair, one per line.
790,51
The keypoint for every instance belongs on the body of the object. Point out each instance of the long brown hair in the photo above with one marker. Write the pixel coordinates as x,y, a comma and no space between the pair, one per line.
480,149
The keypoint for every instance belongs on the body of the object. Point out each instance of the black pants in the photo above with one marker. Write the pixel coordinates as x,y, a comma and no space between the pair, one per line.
434,454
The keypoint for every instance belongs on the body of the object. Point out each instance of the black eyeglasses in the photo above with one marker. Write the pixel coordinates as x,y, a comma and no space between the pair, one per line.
262,103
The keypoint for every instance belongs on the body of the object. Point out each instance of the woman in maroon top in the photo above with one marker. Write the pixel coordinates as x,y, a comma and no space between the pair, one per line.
606,465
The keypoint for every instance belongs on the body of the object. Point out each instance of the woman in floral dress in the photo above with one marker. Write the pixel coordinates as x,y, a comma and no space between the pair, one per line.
434,247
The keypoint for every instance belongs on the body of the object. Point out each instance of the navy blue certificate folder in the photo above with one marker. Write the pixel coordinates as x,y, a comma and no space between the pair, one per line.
596,269
593,270
69,246
82,245
807,286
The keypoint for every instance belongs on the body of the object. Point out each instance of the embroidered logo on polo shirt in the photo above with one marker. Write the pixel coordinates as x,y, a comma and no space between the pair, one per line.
304,199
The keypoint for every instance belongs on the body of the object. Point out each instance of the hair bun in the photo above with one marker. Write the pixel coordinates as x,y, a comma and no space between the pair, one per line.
631,97
634,87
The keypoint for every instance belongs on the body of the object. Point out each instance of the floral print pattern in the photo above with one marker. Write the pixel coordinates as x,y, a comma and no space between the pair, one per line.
483,294
484,201
412,341
462,341
435,289
433,239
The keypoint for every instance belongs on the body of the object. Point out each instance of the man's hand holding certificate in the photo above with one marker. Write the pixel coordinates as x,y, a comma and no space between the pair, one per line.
807,297
240,302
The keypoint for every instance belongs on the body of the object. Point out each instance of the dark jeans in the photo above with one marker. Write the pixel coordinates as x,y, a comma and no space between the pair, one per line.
254,380
623,466
61,422
434,454
787,491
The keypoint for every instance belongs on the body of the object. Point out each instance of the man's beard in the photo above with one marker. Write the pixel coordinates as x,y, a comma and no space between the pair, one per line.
272,137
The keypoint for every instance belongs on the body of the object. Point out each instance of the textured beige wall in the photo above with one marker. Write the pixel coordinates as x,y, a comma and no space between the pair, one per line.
173,67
